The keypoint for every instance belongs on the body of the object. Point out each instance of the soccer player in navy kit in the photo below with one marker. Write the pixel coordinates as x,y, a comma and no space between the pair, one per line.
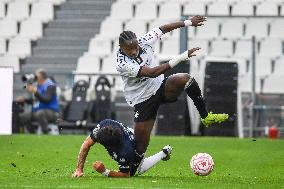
118,140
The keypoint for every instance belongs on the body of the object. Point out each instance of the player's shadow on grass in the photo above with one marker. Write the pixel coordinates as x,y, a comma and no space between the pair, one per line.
161,177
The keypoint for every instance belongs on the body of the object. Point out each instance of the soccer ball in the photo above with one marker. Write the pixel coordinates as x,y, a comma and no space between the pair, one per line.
202,164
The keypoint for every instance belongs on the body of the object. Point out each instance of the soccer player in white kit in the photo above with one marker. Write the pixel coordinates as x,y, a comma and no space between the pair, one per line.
145,86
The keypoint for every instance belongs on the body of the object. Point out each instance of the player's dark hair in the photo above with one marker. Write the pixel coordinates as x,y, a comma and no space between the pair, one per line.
127,37
109,136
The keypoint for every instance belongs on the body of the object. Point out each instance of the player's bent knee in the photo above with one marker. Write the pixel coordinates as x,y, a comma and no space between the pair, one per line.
183,79
186,77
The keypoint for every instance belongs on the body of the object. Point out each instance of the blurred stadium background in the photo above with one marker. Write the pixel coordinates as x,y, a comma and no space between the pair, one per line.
240,66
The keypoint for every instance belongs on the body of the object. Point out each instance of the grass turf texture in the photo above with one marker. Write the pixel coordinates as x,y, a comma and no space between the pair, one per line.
29,161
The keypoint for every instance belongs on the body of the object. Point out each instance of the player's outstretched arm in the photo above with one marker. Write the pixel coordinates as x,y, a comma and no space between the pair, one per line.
100,168
194,21
158,70
84,150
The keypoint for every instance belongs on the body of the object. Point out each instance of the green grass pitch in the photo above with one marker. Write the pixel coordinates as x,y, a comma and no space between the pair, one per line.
29,161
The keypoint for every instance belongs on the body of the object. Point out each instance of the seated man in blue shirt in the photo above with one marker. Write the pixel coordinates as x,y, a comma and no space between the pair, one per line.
45,106
119,142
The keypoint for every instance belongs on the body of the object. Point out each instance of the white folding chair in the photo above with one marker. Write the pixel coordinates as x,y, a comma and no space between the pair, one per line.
31,28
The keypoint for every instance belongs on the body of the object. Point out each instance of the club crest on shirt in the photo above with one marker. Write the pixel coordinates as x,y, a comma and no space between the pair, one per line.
138,59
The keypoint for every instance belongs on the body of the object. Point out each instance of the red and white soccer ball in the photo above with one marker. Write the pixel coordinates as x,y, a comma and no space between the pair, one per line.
202,164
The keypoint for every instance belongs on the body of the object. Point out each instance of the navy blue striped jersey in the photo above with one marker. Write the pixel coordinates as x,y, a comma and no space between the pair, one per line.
125,154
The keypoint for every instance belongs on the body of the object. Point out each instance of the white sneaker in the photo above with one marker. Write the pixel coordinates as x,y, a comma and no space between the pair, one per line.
167,150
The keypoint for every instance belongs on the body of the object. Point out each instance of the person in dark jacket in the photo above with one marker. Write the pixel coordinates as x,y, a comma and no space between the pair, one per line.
45,105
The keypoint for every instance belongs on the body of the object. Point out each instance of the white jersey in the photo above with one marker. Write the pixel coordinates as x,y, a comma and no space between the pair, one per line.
138,89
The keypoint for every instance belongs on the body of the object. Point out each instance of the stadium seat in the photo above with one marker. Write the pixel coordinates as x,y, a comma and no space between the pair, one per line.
277,28
243,66
18,10
279,66
31,29
20,47
131,1
221,48
115,46
8,28
271,47
139,27
195,8
111,28
170,10
202,43
218,9
170,48
146,10
162,1
100,46
88,64
2,10
109,64
242,8
6,1
254,2
2,46
273,83
28,1
267,9
243,49
43,11
54,2
282,10
245,83
228,1
257,27
10,61
121,10
232,28
263,66
209,30
109,67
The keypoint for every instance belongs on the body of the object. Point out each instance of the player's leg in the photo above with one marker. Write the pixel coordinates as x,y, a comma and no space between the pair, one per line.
176,83
149,162
144,117
142,132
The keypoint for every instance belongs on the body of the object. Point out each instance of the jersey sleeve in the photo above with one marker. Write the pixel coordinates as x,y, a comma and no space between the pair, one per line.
151,37
93,135
128,69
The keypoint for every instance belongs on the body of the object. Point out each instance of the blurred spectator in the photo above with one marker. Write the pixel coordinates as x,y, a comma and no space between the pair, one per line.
44,104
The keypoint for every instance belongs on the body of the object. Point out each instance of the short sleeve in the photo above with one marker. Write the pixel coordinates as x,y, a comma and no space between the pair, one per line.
93,135
151,37
128,69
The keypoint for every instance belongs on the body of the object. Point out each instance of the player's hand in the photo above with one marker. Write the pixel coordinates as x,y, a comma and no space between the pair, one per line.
192,51
198,20
77,173
99,166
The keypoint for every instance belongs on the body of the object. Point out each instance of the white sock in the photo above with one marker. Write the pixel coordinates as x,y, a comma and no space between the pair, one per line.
149,162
